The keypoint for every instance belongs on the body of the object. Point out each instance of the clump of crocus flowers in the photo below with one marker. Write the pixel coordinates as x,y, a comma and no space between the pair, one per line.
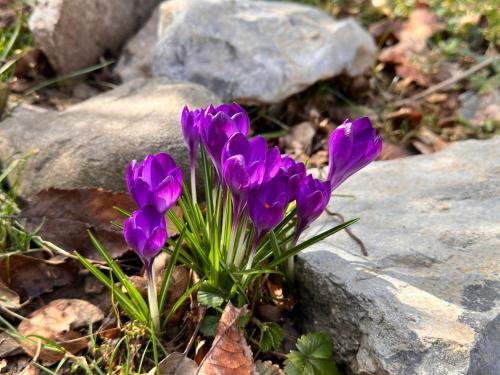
255,185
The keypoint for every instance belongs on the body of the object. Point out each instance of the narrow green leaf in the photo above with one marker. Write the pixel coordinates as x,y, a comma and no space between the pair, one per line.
169,270
297,249
131,289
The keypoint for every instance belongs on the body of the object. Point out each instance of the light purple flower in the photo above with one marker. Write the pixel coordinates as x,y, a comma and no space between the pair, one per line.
219,124
245,165
295,173
312,199
191,122
145,232
156,181
267,204
353,145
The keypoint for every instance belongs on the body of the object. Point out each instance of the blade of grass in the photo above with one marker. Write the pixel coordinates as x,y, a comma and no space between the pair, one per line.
131,290
74,74
125,303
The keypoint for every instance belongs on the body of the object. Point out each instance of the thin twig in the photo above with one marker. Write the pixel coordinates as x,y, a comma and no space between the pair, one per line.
450,81
349,232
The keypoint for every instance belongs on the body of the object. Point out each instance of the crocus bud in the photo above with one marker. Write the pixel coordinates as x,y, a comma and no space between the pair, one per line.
353,145
295,173
156,181
312,199
219,124
191,126
245,165
145,232
267,204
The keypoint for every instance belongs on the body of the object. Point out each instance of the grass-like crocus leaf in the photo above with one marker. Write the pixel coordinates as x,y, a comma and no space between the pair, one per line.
297,249
312,357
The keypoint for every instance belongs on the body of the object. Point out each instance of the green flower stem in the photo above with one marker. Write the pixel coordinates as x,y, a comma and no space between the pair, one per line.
240,237
193,184
152,297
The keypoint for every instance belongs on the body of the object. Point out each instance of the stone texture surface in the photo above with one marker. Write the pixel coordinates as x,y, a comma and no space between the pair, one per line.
427,298
90,144
74,33
136,58
256,50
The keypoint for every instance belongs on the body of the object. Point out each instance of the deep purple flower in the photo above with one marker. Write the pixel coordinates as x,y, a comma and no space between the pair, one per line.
245,165
219,124
156,181
191,122
267,204
145,232
312,199
295,173
353,145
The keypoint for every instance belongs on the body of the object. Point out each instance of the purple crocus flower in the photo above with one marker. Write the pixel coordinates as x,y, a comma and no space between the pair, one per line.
312,199
267,204
295,173
145,232
156,181
245,165
191,122
219,124
353,145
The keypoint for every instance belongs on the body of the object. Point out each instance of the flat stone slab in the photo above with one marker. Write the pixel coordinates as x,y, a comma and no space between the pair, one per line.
91,143
426,300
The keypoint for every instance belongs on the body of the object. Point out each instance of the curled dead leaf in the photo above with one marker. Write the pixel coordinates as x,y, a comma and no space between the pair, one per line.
230,353
58,321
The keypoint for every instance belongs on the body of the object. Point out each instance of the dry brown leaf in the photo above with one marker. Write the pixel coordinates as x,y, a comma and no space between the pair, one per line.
68,214
58,321
230,353
420,26
427,142
31,277
392,151
176,364
8,346
268,368
9,298
410,113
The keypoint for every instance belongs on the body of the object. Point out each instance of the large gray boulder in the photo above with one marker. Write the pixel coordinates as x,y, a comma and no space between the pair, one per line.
90,144
426,300
74,33
248,50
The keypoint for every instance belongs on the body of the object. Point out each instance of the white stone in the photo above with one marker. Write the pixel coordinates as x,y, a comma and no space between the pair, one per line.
251,50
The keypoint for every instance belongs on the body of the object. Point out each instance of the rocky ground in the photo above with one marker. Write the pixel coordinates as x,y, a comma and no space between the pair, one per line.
94,86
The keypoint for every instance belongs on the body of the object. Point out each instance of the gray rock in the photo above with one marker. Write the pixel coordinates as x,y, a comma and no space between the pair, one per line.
427,298
74,34
90,144
136,57
251,50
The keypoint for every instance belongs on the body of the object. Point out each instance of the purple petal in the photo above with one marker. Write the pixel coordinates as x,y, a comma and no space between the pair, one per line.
166,194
